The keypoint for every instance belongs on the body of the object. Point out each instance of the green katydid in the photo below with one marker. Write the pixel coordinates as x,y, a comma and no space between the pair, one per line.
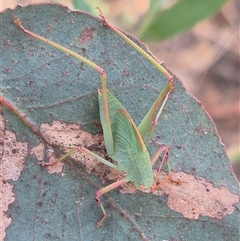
124,141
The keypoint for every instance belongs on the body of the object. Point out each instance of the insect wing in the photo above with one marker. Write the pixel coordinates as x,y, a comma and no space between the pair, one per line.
130,151
113,106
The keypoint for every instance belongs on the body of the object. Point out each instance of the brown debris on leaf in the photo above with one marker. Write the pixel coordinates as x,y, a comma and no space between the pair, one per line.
38,151
69,136
13,155
86,35
193,197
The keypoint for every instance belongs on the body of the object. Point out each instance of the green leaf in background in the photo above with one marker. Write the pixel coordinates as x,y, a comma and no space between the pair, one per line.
47,86
82,5
159,25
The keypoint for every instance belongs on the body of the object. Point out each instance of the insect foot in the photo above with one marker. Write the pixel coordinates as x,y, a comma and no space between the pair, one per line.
98,201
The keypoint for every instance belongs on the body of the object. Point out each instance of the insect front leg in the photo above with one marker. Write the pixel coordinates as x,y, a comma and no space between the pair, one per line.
156,155
165,159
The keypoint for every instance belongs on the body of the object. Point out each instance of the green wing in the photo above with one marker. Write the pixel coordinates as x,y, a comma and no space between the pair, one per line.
130,151
113,106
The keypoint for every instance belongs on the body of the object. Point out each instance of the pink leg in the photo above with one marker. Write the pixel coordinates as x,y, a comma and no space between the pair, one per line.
100,192
164,159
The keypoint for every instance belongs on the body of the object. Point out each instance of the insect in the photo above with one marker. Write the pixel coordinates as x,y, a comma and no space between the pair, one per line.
125,142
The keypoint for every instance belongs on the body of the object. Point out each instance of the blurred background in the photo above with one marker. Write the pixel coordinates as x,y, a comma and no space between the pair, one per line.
198,41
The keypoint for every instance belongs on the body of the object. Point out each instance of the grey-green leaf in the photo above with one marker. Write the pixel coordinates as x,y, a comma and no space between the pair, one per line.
46,85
